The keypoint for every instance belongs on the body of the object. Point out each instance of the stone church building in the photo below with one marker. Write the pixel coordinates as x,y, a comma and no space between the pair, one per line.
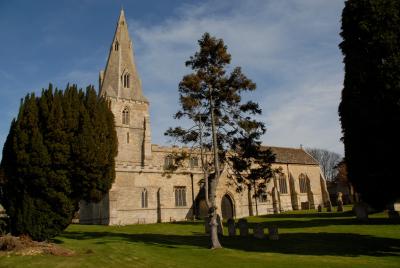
144,193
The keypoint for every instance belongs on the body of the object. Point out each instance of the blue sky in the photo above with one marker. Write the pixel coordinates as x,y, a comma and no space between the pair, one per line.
288,47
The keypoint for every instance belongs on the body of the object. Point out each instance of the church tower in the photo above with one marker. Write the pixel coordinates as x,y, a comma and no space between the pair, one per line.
121,85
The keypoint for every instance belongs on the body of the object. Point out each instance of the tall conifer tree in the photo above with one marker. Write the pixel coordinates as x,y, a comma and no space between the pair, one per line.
223,123
59,150
370,106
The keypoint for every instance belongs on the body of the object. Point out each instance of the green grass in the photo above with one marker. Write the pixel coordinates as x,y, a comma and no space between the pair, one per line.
307,239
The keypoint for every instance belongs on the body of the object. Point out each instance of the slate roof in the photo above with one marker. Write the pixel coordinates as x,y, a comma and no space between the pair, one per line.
292,156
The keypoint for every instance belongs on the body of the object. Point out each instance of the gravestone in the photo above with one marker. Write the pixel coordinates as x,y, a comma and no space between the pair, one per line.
361,211
243,227
328,206
340,206
319,208
207,227
393,214
258,231
220,227
339,197
231,227
273,232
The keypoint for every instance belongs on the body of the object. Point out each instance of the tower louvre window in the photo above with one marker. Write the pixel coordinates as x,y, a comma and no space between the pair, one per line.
116,46
125,80
125,117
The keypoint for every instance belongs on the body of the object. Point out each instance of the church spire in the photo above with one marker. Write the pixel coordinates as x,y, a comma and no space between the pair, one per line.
120,79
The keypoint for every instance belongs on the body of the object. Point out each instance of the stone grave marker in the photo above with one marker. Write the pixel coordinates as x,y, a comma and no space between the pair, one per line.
231,227
273,232
319,208
243,227
258,231
361,211
340,206
329,206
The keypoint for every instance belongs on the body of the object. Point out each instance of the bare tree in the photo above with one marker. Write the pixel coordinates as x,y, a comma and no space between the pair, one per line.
327,160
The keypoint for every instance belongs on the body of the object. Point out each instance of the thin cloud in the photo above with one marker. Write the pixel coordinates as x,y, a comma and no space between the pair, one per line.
289,48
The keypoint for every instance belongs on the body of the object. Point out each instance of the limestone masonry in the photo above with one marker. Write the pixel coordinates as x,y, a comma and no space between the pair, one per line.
144,193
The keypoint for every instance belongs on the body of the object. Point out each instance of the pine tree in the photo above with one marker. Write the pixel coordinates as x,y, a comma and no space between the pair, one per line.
223,123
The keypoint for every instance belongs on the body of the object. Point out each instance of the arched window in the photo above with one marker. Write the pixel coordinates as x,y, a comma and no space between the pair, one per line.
144,198
125,80
303,183
125,116
282,184
116,46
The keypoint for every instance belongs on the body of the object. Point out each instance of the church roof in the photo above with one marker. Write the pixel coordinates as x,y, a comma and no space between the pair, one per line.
285,155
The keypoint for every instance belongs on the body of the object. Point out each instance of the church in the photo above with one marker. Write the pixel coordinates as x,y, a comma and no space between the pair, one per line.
144,193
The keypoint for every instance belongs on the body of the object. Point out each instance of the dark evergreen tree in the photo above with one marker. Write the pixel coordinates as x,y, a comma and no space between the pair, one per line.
44,174
223,123
370,106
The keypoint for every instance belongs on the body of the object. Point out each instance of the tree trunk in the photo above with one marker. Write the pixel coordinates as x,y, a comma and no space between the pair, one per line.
251,213
255,197
213,189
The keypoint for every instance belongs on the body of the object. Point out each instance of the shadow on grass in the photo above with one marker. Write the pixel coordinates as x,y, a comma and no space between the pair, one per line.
296,222
310,215
332,244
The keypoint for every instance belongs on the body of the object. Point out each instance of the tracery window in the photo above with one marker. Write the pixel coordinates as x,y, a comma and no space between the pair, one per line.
282,184
125,116
144,198
303,183
180,196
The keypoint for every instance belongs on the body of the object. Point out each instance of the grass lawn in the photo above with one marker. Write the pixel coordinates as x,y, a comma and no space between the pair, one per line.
307,239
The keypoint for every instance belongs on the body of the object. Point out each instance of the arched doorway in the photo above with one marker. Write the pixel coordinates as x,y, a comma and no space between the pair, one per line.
227,207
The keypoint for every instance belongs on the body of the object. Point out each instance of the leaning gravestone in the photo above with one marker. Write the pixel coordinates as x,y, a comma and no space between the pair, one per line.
273,232
258,231
319,208
231,227
329,206
361,211
243,227
340,206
